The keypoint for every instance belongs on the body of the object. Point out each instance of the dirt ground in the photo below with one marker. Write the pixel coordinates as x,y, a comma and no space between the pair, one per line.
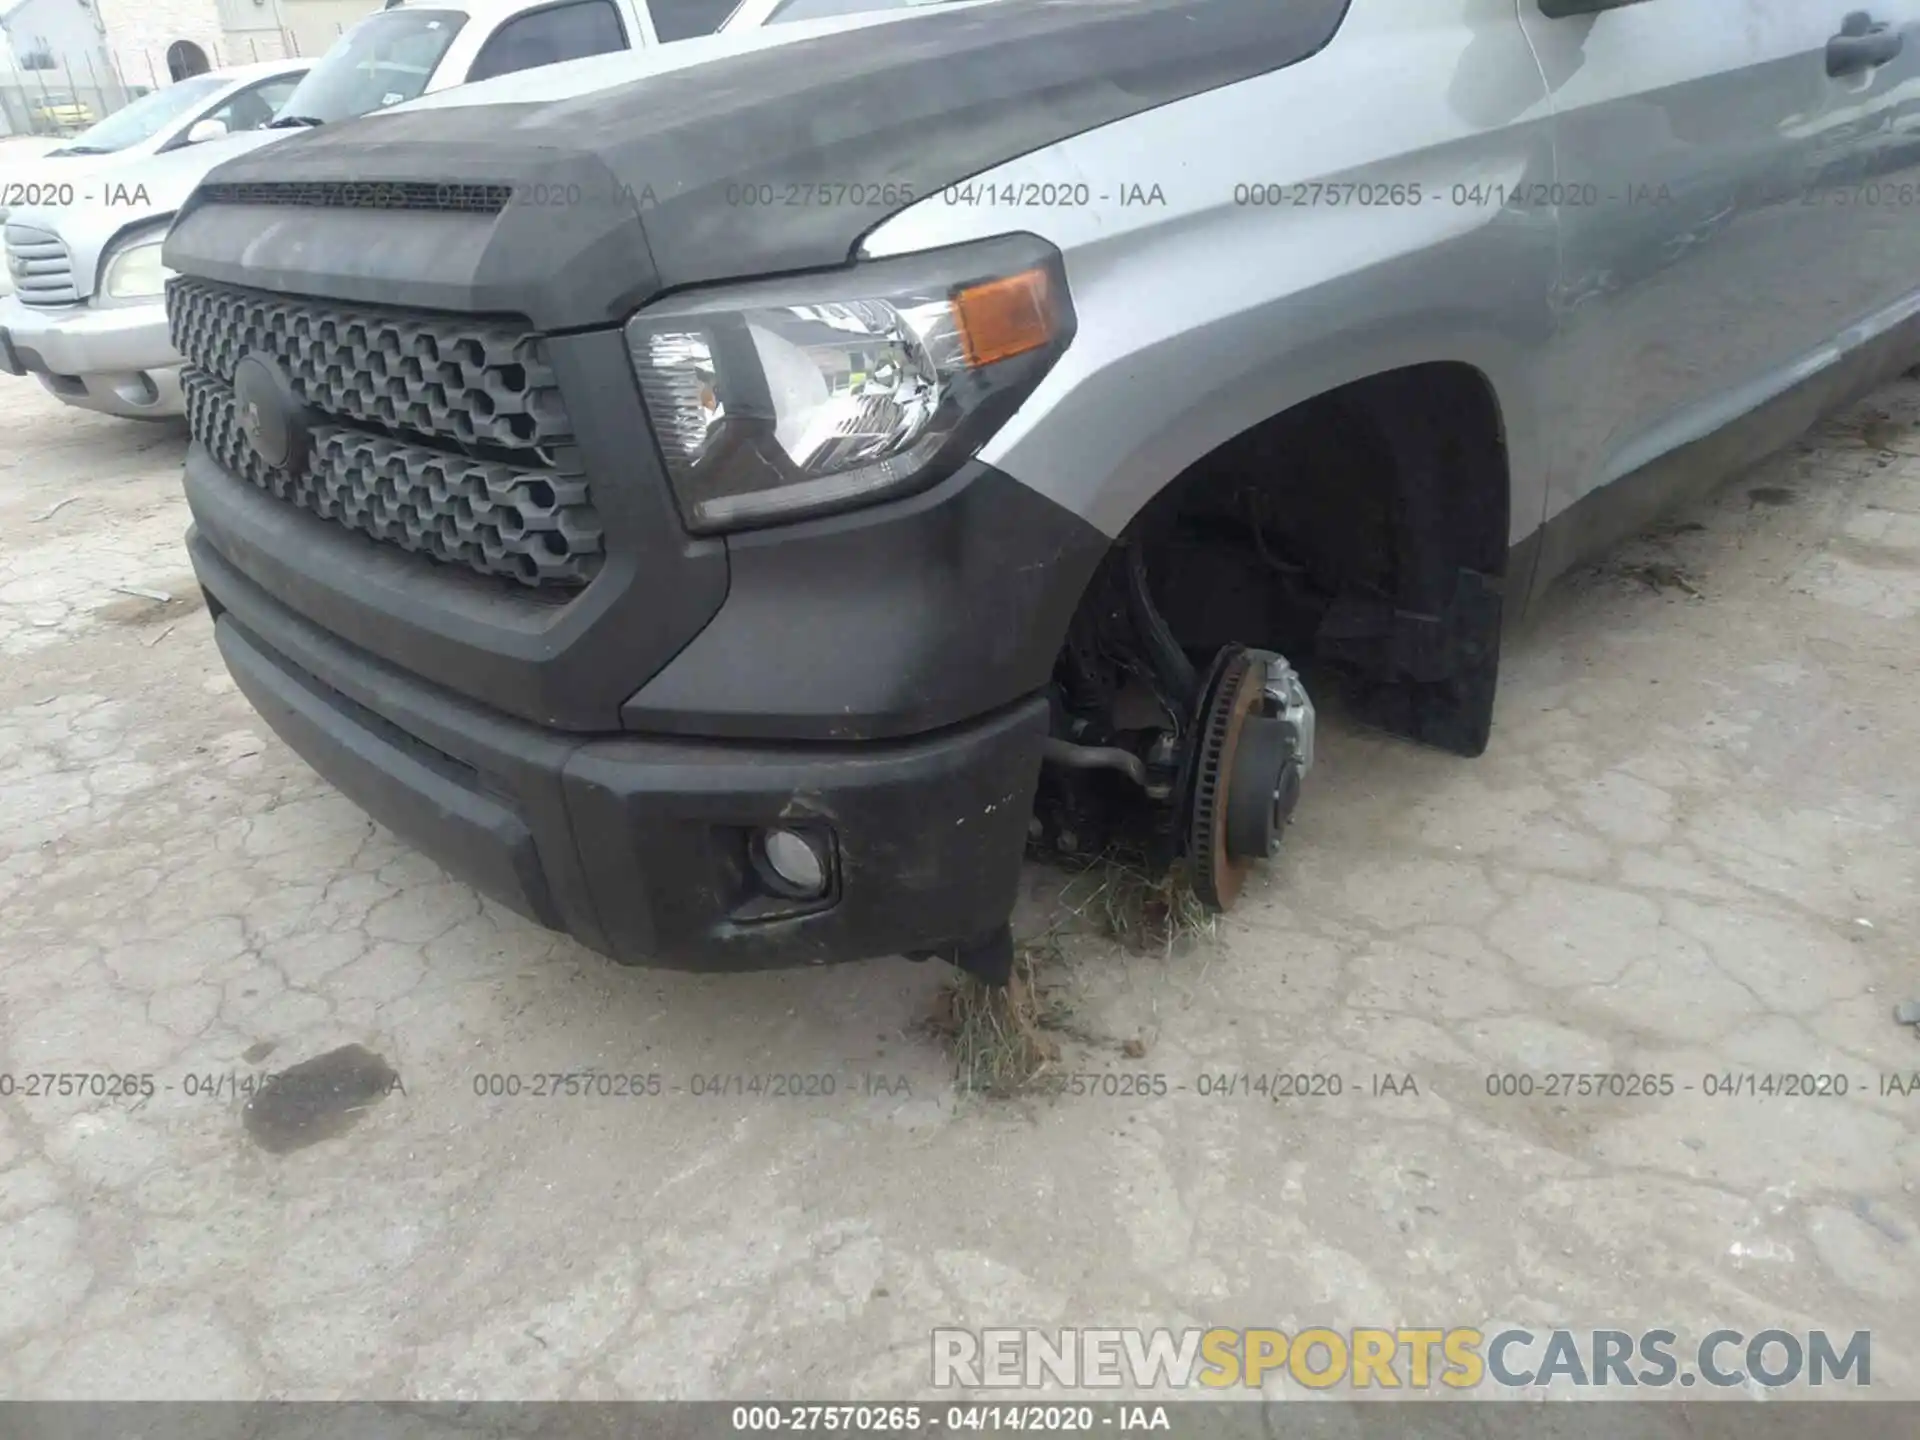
1691,851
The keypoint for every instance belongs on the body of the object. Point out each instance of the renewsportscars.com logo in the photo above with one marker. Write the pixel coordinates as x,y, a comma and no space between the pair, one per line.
1401,1358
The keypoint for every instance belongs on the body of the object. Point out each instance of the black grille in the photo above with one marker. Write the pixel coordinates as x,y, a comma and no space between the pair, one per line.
473,381
362,195
534,526
438,435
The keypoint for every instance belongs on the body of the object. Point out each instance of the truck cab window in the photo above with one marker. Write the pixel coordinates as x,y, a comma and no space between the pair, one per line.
546,37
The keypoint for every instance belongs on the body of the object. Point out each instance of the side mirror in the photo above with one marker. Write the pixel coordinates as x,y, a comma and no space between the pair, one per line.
203,130
1567,9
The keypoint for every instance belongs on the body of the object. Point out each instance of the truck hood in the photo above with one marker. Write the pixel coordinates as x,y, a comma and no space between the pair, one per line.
125,193
575,208
115,194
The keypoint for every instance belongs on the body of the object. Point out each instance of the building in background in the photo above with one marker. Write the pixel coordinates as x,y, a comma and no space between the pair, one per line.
168,37
52,35
295,27
154,42
56,70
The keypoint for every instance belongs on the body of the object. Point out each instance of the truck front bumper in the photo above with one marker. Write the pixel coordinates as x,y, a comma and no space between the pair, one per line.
641,847
115,359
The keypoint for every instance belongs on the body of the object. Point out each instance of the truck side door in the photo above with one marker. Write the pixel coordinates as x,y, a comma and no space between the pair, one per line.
1869,156
1691,277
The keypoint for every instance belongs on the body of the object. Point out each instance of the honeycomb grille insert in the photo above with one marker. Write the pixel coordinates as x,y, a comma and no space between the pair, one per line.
475,382
537,527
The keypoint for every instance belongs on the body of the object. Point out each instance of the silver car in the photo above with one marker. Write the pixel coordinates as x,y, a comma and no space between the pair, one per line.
728,518
82,233
187,112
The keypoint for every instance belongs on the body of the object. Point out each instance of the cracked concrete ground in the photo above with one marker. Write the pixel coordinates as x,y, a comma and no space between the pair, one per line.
1691,850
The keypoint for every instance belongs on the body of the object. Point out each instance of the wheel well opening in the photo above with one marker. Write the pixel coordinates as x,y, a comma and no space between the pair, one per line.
1362,533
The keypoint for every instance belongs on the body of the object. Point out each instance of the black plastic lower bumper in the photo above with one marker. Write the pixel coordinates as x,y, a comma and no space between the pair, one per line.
638,846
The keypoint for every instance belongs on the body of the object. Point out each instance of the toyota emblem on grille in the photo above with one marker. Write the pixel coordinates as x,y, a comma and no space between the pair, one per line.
272,416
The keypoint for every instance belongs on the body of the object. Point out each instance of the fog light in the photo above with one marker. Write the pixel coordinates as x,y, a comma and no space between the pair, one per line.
792,864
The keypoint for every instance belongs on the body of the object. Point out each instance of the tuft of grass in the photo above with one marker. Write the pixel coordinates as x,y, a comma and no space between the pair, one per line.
998,1033
1002,1039
1147,913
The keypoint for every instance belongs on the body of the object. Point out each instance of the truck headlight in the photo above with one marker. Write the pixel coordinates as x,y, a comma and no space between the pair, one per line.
778,399
134,271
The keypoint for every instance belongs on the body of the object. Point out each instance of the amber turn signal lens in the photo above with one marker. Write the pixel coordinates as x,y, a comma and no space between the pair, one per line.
999,319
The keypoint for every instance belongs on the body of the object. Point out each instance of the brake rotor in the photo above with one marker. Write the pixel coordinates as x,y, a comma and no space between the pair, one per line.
1234,697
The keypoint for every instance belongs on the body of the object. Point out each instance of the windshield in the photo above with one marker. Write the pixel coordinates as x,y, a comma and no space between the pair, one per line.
144,118
385,59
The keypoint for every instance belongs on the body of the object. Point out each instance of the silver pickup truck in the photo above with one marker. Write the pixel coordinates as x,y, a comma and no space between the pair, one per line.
728,518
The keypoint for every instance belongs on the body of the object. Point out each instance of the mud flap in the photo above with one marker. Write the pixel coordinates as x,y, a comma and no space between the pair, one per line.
1428,677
